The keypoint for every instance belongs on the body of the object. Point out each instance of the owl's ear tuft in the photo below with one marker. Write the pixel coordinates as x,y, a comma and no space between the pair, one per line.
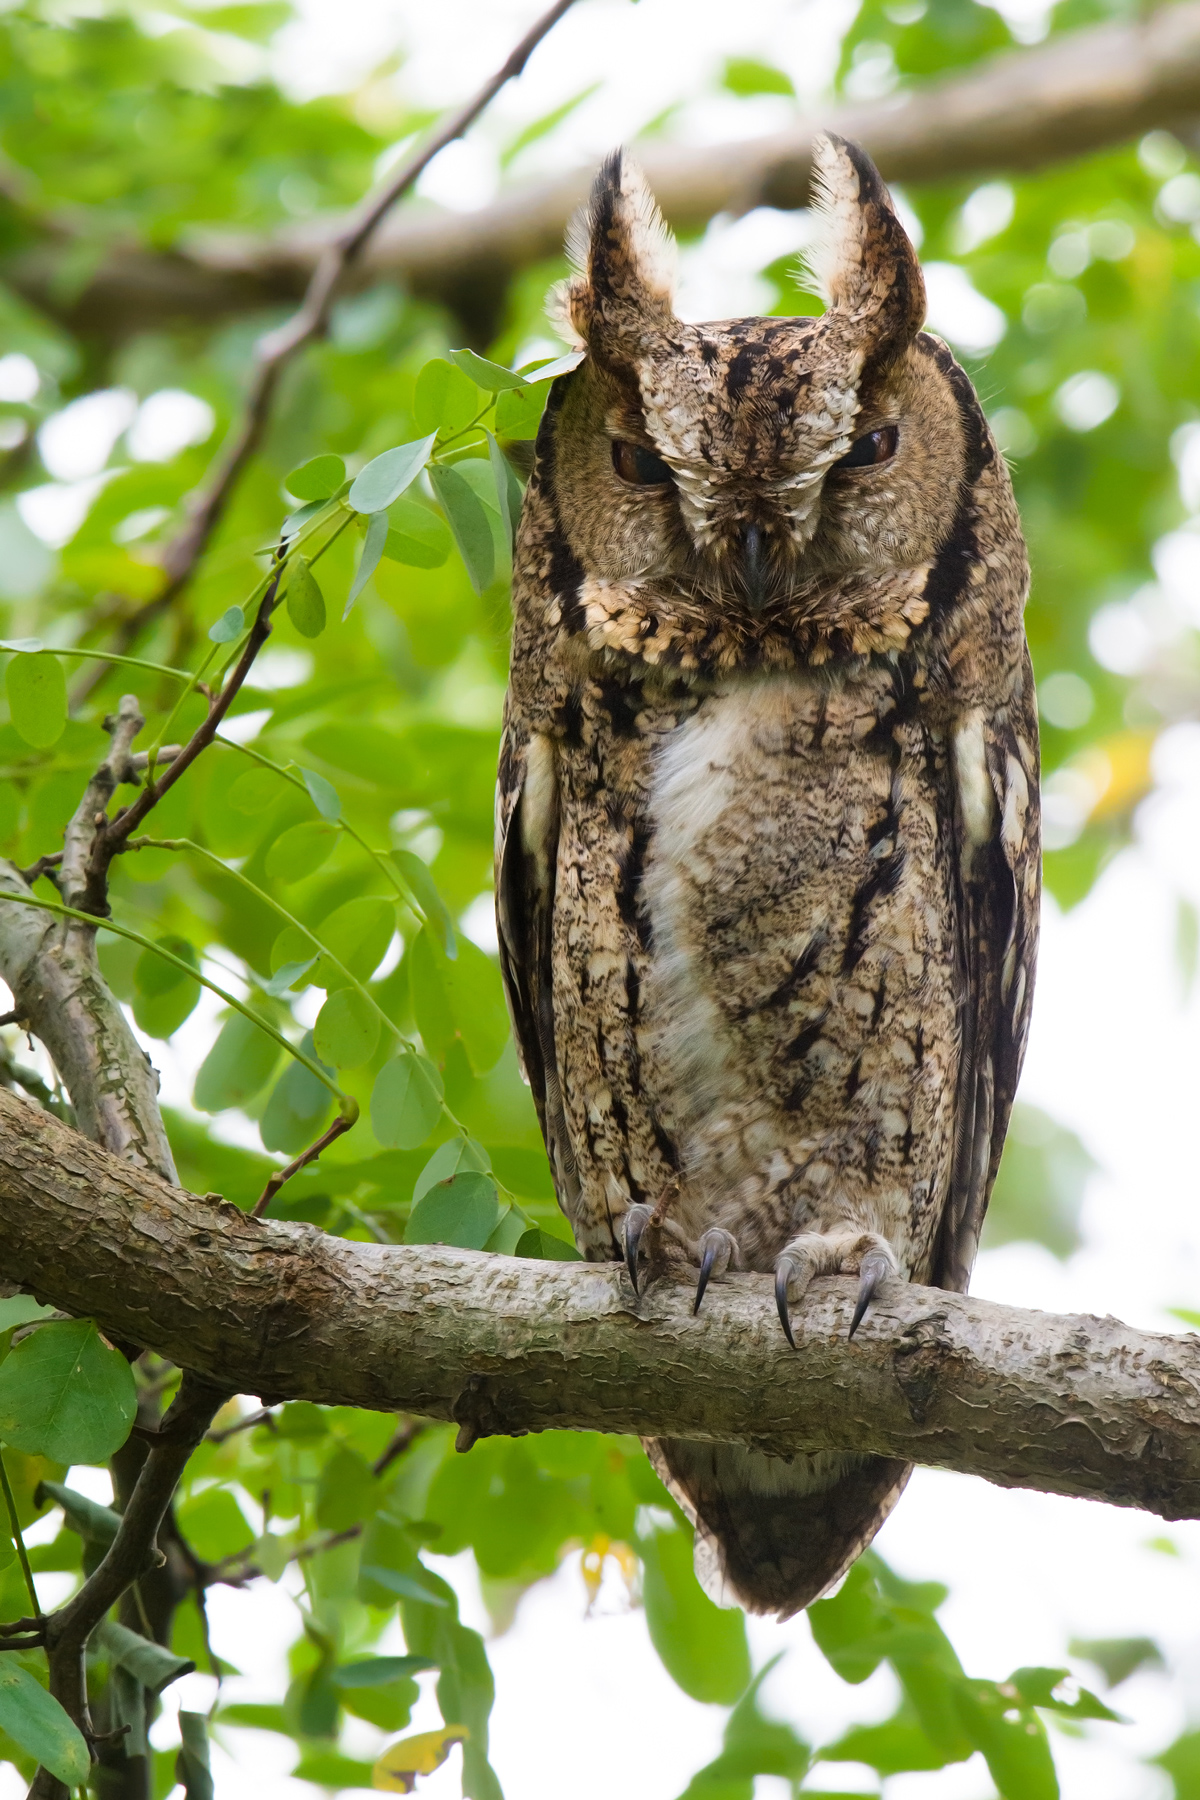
862,263
624,262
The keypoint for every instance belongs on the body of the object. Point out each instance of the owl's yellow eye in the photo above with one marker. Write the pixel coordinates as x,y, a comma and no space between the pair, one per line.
640,468
867,452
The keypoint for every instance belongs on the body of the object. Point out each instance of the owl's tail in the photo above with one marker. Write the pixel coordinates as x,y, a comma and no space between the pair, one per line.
773,1535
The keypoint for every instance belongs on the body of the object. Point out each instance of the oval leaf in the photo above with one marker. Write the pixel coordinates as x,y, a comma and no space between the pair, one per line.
464,1211
358,934
316,479
323,795
238,1066
406,1102
397,1769
229,626
66,1394
425,892
386,477
347,1029
304,600
445,398
702,1645
447,1160
300,850
37,699
35,1720
378,1671
493,377
468,524
417,535
368,562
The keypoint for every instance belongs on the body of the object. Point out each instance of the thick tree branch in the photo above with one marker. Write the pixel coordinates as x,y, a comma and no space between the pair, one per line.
1079,92
1071,1405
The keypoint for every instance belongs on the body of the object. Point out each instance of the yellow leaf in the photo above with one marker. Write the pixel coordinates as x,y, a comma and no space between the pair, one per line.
397,1769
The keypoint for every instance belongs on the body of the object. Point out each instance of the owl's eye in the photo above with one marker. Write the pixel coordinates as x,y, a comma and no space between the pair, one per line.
640,468
876,447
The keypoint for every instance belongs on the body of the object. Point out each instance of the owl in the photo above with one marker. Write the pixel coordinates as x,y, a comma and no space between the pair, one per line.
767,822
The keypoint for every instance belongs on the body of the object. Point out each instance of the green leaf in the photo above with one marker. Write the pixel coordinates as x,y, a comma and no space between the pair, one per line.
378,1671
744,76
490,376
316,479
37,699
214,1524
405,1585
358,934
323,795
165,996
416,535
468,524
753,1745
347,1492
1013,1741
303,597
298,1108
463,1211
445,399
347,1029
66,1394
518,414
406,1101
300,851
229,626
1038,1196
463,999
192,1764
544,1245
540,128
254,791
424,890
295,522
1117,1658
1036,1687
368,562
288,975
36,1721
95,1524
508,488
702,1646
154,1667
238,1066
385,478
449,1159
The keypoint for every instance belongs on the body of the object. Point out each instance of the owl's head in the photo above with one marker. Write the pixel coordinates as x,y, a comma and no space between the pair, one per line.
760,471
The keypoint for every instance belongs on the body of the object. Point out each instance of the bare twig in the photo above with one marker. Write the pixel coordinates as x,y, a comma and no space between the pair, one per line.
246,1423
340,1125
276,349
404,1437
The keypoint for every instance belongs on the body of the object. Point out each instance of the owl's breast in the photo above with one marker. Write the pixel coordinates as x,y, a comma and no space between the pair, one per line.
799,1019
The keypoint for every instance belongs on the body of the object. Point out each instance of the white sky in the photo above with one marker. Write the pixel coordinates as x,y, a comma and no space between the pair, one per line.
583,1706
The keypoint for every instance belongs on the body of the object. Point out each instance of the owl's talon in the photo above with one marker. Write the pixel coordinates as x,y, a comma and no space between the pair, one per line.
718,1249
875,1269
784,1269
636,1220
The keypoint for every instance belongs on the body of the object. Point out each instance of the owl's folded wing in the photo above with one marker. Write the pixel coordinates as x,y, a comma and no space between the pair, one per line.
998,875
526,857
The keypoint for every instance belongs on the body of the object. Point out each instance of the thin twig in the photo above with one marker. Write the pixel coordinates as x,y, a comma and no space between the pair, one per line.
406,1435
246,1423
276,349
90,819
340,1124
18,1540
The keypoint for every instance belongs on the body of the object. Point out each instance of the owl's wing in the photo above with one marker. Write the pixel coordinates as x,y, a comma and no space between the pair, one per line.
997,853
526,858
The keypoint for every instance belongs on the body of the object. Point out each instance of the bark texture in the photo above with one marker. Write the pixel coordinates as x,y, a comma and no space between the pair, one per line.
1080,92
1071,1405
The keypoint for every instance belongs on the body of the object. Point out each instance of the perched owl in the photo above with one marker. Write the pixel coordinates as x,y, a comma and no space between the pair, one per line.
767,832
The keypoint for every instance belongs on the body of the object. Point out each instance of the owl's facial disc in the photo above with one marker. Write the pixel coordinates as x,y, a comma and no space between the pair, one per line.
752,466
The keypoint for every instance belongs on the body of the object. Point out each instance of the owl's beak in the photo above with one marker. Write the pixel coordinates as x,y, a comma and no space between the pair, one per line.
754,567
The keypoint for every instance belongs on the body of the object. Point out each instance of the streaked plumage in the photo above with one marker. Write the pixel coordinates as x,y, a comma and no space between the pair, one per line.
767,844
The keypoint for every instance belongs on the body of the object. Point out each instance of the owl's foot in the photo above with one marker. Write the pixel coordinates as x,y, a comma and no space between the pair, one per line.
849,1252
718,1251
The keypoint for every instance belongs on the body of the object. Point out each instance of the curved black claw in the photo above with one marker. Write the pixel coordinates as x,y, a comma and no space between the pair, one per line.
875,1269
706,1269
782,1276
636,1221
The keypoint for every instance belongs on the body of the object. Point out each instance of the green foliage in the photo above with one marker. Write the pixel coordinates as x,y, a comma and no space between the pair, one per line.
66,1394
703,1646
36,1721
1040,1185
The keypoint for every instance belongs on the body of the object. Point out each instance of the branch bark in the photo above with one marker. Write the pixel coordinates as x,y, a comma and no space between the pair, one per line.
1080,92
1070,1405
